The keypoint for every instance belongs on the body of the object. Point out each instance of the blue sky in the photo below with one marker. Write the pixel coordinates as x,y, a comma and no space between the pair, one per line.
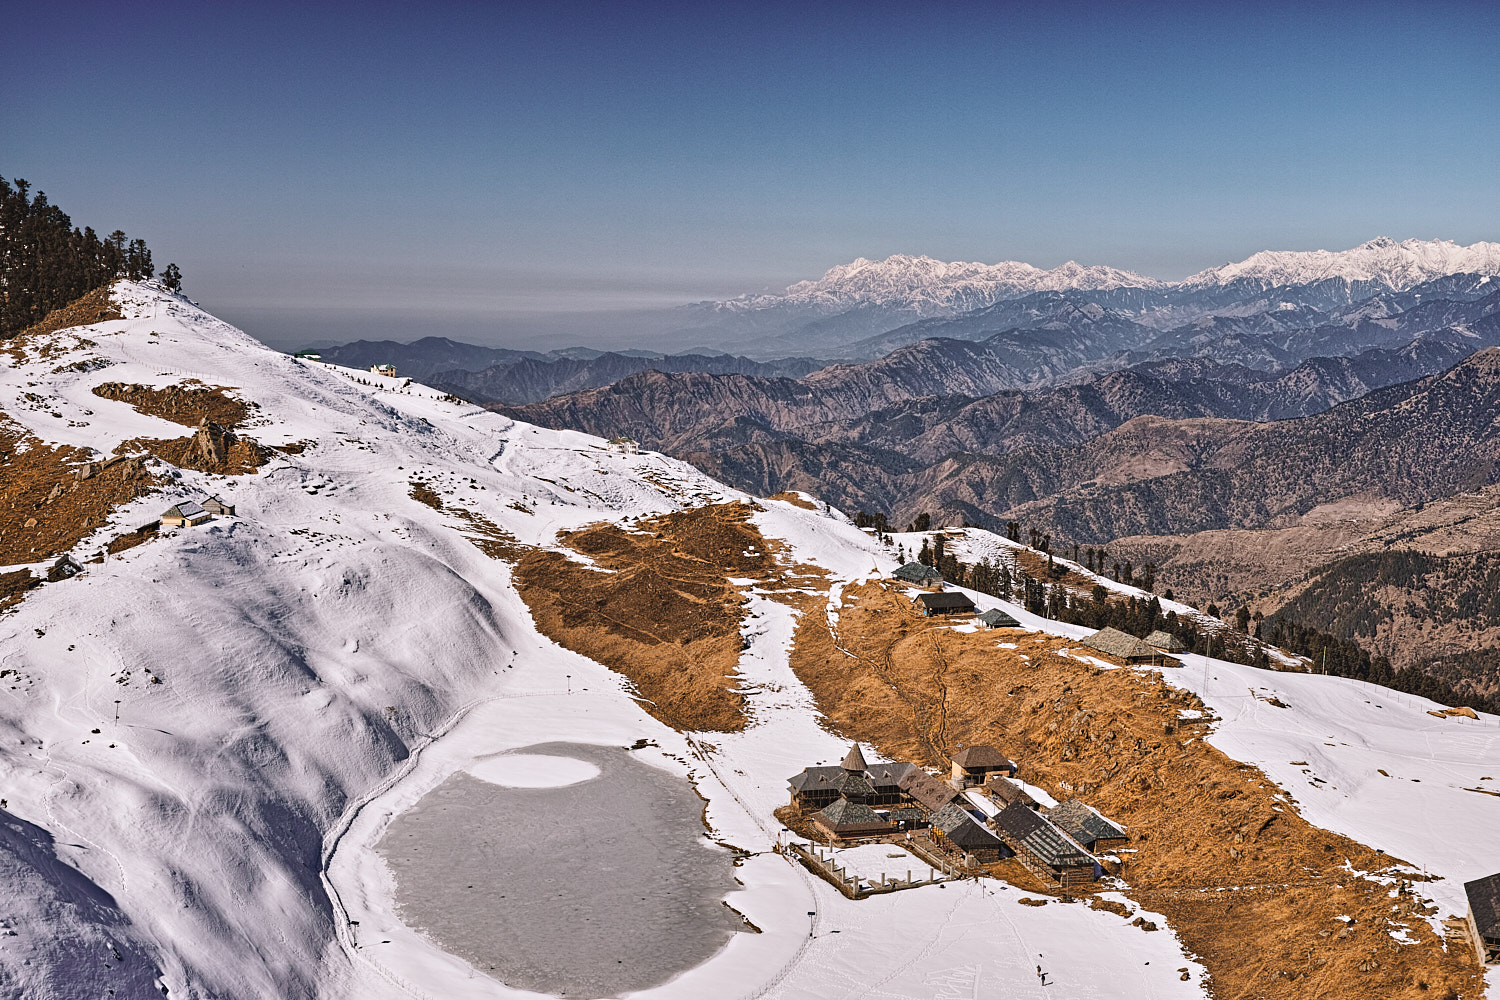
400,169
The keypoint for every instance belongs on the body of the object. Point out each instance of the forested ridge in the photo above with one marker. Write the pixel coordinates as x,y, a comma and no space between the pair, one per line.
46,262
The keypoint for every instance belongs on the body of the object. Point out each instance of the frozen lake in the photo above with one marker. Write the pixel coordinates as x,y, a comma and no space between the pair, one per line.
564,868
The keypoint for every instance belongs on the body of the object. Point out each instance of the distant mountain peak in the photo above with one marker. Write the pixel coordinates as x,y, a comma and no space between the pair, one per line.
935,287
1398,265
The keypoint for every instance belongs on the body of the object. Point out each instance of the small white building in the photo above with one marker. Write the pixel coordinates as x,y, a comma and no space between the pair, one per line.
624,445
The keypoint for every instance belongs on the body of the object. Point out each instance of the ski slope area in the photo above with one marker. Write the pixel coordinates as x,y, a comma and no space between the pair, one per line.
336,649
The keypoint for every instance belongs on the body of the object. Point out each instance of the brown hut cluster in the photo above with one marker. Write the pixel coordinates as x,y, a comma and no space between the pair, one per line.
976,814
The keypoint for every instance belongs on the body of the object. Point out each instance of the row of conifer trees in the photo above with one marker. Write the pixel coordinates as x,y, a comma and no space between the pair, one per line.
46,263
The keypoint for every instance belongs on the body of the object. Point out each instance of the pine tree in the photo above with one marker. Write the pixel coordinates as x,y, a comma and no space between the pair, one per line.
171,278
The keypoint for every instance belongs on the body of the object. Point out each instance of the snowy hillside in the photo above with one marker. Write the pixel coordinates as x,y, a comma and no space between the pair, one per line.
203,737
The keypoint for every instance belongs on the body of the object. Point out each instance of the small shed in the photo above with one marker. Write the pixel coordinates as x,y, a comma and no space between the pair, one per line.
1088,826
974,765
185,514
1484,917
218,507
995,618
946,603
844,820
921,575
1123,646
1165,641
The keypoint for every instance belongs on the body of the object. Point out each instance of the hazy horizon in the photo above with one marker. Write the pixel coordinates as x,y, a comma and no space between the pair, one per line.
524,172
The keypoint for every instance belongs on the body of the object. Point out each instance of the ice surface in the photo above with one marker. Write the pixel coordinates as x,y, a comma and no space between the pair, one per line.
593,889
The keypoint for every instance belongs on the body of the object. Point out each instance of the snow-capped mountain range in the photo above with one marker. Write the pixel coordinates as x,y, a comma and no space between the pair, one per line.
940,286
1398,266
843,313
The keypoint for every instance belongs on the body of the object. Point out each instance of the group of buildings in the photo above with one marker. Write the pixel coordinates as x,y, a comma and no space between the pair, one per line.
976,813
187,513
1155,650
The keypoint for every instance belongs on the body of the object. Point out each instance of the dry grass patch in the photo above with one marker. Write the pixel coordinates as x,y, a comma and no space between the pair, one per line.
657,607
795,499
1250,886
45,509
94,307
188,404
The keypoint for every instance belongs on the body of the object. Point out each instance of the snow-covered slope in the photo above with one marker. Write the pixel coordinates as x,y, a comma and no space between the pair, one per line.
337,648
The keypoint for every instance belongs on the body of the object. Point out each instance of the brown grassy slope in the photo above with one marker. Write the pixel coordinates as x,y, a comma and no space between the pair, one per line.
95,307
1200,822
44,508
187,404
666,617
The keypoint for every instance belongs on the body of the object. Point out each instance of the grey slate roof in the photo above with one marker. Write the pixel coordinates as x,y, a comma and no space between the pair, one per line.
888,776
1005,791
813,777
995,618
982,756
907,814
1032,831
852,784
1484,903
187,508
1165,641
842,814
946,601
1083,824
930,791
1121,645
961,829
915,572
854,760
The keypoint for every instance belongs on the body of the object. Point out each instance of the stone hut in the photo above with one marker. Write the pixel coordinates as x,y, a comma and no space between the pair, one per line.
974,765
218,507
1483,917
1006,792
922,576
947,603
995,618
1086,825
1123,646
185,514
1165,641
